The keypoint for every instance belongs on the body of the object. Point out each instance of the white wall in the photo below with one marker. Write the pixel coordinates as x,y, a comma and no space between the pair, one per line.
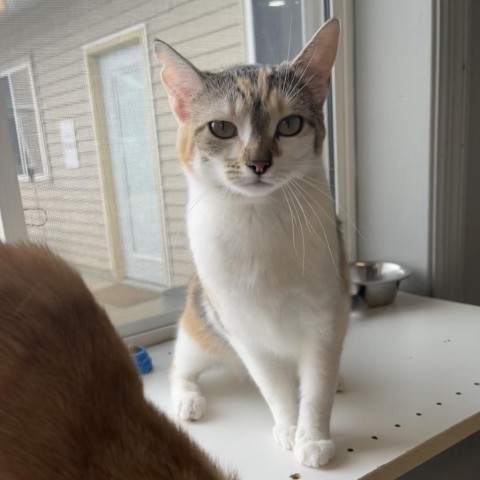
393,62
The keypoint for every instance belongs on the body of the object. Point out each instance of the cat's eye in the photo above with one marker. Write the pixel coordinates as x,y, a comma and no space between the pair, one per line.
222,129
290,126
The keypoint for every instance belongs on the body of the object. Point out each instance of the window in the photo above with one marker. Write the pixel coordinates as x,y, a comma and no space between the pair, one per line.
23,121
277,30
115,205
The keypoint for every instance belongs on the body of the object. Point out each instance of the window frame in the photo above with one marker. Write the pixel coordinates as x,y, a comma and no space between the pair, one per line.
38,122
343,101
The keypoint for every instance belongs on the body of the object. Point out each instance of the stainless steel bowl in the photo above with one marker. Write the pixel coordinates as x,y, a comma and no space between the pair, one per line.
377,282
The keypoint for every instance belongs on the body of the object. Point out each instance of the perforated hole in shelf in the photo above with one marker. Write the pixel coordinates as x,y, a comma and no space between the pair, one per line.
418,414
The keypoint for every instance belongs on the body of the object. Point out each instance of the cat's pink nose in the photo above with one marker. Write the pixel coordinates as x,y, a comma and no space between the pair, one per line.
260,166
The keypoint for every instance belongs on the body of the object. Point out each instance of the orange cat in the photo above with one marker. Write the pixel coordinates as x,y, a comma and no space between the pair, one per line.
71,401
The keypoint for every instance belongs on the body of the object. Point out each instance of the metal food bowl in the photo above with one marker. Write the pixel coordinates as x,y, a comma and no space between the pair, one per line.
376,282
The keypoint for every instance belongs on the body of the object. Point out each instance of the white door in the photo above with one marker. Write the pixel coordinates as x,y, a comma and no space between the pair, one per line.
132,164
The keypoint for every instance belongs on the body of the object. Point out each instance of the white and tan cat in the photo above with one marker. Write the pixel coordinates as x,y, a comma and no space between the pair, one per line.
271,289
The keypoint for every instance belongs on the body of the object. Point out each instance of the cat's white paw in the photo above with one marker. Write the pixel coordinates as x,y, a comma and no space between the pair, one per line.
284,435
190,406
315,453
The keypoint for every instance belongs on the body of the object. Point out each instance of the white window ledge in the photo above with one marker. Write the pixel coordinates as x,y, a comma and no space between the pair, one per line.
413,364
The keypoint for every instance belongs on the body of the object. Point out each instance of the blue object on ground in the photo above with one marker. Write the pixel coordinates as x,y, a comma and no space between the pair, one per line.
142,359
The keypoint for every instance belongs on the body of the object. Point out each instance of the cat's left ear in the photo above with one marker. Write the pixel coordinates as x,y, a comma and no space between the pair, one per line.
181,79
316,60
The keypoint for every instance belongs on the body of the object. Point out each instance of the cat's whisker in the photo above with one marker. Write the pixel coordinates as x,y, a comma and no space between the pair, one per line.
268,41
297,92
198,199
324,232
347,216
293,221
288,51
283,84
228,194
290,35
316,180
311,181
294,198
288,59
205,214
304,163
303,191
302,75
324,187
291,86
180,232
307,221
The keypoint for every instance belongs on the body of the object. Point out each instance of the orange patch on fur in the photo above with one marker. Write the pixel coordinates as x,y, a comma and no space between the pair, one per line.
245,86
277,102
193,323
263,84
185,145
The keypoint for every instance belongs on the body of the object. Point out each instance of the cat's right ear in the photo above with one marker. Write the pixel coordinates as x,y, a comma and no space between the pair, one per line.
181,79
315,61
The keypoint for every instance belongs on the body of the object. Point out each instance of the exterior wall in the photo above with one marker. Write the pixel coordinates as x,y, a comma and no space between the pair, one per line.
210,33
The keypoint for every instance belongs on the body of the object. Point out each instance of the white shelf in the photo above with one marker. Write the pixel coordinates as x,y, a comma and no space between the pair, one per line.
398,362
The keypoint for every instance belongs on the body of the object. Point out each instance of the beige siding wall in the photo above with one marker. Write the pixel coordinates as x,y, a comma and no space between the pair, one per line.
210,33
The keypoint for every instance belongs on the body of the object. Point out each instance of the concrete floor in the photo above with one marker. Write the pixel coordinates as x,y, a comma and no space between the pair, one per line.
130,314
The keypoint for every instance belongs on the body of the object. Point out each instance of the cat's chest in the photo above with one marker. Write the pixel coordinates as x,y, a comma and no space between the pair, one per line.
243,234
259,246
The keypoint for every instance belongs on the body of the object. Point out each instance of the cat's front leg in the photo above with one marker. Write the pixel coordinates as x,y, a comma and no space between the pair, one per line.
318,371
277,380
190,360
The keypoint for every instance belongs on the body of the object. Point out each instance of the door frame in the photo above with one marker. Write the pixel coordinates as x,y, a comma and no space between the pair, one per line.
136,34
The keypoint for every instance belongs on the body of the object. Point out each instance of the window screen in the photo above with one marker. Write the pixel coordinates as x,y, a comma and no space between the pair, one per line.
114,201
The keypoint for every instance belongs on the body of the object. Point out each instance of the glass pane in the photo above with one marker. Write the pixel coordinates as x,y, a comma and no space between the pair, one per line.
115,198
278,30
139,218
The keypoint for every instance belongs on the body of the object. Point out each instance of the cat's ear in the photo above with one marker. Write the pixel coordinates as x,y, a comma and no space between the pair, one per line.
316,60
181,79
